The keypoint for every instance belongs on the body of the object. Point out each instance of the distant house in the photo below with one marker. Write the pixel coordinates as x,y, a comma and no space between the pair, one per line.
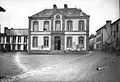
14,39
92,42
58,30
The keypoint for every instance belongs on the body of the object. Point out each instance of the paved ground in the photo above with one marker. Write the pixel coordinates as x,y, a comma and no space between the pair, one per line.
69,67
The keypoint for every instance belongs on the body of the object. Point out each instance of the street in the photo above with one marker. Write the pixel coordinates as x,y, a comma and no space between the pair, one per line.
95,67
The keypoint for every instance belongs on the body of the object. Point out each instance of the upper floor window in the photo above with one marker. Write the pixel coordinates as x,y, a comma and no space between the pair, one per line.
117,27
46,41
35,26
69,25
69,42
35,42
19,39
46,25
57,25
81,26
81,41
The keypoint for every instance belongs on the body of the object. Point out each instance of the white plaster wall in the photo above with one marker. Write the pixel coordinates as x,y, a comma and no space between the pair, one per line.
75,40
75,23
40,42
41,24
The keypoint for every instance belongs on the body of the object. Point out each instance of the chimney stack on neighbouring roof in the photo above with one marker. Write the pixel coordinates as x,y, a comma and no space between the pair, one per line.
5,29
108,23
54,7
65,6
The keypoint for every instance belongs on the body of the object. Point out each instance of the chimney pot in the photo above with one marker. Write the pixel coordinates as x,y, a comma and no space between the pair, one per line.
65,6
54,6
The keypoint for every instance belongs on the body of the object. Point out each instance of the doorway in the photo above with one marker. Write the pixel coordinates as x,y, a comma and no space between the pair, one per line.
57,44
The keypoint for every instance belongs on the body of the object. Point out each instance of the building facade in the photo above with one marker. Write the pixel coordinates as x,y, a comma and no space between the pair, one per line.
92,42
108,36
58,30
14,40
116,35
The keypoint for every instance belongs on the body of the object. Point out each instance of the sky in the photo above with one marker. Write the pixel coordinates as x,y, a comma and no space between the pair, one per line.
18,11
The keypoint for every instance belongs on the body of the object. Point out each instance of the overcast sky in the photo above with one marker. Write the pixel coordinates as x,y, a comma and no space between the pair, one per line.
17,11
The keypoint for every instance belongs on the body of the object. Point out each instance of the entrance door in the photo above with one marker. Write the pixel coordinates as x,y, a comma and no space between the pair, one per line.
57,44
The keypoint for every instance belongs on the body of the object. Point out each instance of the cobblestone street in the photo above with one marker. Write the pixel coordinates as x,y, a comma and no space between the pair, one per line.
70,67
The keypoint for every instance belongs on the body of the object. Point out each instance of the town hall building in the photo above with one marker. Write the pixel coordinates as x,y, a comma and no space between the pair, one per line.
58,30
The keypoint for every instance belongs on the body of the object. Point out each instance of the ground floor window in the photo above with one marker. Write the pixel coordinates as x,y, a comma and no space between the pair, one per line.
46,41
14,47
81,42
35,42
19,47
69,42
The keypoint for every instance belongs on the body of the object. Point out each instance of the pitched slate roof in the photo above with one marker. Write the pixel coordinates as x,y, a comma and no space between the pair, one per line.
65,12
17,32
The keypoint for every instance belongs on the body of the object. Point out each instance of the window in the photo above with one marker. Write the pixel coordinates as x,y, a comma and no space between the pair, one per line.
35,42
117,42
57,25
81,41
3,39
114,34
14,39
14,47
81,26
69,42
19,39
8,39
46,25
19,47
117,28
69,26
25,39
46,41
0,39
35,26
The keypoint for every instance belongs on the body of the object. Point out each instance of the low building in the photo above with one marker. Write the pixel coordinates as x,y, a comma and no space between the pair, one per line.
14,39
58,30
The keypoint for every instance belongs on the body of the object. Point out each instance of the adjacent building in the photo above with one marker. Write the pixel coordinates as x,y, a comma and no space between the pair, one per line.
116,35
14,40
58,30
108,36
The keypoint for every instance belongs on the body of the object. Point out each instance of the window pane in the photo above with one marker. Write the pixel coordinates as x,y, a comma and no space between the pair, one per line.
46,41
69,26
69,42
35,26
81,42
81,26
57,25
35,41
46,25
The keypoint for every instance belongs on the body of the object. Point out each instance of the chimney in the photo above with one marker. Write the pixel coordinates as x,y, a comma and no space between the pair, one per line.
5,29
108,23
54,7
65,6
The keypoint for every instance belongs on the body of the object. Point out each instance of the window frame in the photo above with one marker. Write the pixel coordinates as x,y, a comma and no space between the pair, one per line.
48,28
35,42
56,28
46,41
35,26
81,41
81,25
69,25
69,42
